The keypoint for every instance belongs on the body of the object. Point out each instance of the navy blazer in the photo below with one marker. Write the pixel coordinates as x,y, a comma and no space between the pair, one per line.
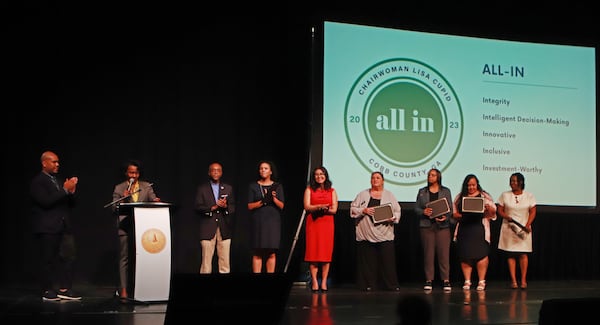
210,220
51,206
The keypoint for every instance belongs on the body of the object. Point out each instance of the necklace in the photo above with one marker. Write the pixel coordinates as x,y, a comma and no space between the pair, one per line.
264,190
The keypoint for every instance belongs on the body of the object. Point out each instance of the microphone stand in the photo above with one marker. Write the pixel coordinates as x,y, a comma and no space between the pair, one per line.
121,199
300,223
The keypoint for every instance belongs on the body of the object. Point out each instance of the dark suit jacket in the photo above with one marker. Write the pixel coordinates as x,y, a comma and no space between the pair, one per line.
146,194
210,220
51,206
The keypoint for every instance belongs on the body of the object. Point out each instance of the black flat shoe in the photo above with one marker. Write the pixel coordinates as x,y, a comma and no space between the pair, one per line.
323,290
315,290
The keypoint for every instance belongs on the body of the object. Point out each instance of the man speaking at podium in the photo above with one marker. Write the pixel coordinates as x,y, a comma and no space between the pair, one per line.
135,190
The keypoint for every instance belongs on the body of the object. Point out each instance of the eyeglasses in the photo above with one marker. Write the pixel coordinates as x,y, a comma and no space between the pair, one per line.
516,199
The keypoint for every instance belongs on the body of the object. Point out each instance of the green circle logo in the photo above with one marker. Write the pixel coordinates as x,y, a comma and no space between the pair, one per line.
402,118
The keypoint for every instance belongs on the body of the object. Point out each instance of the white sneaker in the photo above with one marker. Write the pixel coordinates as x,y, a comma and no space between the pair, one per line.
427,286
447,286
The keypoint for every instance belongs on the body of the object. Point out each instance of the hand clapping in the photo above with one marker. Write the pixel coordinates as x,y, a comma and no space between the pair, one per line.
70,184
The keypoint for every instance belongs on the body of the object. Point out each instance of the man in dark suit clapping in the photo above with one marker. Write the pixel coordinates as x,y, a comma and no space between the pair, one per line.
52,200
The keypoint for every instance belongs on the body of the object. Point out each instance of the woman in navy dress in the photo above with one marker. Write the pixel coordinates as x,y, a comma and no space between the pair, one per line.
265,201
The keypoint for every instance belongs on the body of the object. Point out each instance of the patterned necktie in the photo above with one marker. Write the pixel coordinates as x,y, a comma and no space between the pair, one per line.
135,192
53,178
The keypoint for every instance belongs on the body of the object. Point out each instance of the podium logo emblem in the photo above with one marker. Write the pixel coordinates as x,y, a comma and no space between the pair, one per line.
153,240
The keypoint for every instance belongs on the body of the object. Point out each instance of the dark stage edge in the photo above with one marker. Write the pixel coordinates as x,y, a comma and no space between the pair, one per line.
498,304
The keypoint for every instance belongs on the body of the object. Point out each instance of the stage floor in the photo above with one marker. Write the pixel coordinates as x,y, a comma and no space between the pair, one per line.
498,304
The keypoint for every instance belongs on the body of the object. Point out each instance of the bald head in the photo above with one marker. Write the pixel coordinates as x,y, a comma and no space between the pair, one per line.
49,162
47,155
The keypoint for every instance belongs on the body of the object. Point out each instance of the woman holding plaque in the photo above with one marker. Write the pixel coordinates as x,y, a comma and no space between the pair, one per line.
434,227
517,208
376,255
472,233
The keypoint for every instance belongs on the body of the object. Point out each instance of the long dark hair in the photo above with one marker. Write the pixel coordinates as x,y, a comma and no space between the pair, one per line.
464,191
314,185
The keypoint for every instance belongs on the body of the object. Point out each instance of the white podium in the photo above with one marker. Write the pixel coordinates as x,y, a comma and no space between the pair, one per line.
150,256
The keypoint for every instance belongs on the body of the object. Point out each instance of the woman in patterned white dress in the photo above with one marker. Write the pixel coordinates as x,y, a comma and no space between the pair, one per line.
517,208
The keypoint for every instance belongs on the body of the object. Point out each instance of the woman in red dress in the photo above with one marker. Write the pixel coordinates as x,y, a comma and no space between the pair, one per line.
320,203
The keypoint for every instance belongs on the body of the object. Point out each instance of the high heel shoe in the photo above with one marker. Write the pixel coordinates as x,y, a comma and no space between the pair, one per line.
481,285
467,285
314,290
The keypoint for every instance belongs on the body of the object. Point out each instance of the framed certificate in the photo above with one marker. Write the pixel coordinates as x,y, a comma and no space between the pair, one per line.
473,204
383,213
439,207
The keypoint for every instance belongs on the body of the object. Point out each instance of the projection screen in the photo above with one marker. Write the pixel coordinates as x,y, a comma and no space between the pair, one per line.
402,102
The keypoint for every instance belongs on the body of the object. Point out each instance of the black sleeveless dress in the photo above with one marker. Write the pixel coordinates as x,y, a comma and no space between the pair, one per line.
470,238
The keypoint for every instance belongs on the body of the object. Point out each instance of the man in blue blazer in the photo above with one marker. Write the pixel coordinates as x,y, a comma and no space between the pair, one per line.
215,206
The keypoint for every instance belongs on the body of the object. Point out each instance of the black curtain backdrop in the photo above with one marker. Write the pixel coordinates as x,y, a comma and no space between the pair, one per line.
179,87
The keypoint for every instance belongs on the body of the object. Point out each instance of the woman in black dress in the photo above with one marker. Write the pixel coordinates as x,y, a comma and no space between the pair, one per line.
472,233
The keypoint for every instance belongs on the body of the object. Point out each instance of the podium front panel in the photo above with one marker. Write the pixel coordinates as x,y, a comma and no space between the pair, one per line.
152,253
